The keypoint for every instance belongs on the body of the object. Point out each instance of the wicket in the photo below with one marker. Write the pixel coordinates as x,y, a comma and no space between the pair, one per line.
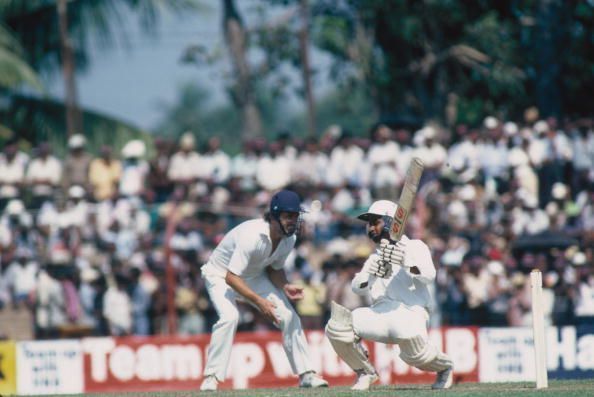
538,328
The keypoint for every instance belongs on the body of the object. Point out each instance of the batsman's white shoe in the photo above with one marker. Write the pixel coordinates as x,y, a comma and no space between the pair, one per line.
311,379
444,379
210,383
364,381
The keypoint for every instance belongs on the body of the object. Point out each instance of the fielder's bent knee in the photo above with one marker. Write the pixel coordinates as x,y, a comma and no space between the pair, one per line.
287,317
229,318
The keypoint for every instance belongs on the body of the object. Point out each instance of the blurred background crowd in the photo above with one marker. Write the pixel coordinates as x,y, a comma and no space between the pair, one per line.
85,240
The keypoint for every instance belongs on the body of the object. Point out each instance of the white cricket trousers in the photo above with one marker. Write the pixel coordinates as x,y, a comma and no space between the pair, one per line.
224,298
387,321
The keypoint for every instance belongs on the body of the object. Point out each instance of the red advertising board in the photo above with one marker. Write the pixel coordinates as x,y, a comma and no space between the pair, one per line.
257,361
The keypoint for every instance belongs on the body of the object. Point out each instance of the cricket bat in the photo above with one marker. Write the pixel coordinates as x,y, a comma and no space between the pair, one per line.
407,198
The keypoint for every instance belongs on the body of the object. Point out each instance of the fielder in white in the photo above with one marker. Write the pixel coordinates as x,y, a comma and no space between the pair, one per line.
248,264
396,278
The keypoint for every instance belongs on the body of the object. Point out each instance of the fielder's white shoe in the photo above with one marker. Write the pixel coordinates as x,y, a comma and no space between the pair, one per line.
311,379
364,381
444,379
210,383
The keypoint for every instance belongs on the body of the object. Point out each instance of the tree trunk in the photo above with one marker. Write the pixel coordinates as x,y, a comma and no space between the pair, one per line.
305,67
73,116
548,44
243,90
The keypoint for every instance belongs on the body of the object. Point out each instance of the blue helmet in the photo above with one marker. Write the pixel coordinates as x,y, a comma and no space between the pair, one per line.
284,201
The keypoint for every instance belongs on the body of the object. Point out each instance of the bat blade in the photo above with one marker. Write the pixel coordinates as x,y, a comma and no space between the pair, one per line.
407,198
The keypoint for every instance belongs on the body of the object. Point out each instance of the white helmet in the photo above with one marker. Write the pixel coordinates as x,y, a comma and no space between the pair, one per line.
380,208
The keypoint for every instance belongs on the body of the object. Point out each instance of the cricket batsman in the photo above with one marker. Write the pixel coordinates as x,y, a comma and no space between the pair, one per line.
396,278
248,264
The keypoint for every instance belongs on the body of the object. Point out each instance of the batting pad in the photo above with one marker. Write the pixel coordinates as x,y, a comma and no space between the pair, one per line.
339,331
418,353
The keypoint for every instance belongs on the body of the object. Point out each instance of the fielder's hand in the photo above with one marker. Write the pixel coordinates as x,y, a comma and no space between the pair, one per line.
293,292
268,309
392,253
379,268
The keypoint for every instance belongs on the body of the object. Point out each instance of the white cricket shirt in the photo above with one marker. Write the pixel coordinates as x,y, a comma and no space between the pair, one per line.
402,286
246,250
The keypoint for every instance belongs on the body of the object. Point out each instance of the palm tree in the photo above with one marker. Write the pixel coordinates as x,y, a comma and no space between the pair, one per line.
14,69
47,44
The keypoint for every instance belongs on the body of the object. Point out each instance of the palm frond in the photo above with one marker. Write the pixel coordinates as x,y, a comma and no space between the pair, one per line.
15,72
36,119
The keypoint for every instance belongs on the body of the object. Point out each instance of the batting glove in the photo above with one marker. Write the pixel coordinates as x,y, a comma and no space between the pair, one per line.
379,268
392,253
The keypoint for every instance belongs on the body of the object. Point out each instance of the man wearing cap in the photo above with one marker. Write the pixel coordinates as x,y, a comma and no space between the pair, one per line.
77,163
248,264
396,278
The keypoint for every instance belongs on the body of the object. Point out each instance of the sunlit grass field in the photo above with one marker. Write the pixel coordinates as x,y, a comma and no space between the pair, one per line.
577,388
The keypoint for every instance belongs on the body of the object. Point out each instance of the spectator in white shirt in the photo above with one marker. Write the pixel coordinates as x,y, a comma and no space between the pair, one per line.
117,308
184,167
134,170
518,153
583,158
216,165
494,156
432,153
77,208
186,240
12,172
244,166
557,153
530,219
311,164
345,162
464,156
382,156
584,305
585,200
43,175
20,276
286,146
14,220
50,303
274,171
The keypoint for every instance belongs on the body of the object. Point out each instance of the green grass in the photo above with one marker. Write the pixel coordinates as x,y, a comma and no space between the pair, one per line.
581,388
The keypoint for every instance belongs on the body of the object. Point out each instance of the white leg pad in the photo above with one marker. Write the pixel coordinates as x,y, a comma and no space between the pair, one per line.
418,353
339,331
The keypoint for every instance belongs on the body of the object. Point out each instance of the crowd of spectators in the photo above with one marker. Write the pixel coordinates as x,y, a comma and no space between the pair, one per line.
85,241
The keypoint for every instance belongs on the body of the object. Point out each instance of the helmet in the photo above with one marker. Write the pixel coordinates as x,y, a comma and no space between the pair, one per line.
380,208
284,201
384,209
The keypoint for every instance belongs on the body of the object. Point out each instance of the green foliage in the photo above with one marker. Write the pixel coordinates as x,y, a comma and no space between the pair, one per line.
487,53
14,70
35,23
350,108
29,43
36,119
194,111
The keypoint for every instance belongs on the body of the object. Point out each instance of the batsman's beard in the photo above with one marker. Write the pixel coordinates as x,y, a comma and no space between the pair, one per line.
377,238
